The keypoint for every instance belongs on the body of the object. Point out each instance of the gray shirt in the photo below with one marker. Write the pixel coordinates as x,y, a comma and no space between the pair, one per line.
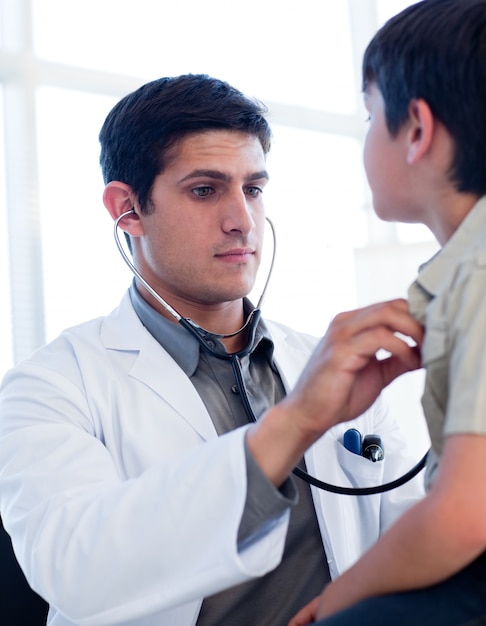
303,572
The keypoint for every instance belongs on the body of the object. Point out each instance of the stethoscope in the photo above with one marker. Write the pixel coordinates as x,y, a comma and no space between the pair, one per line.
204,338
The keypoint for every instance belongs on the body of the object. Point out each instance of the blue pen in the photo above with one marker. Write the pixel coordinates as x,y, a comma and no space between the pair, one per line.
352,440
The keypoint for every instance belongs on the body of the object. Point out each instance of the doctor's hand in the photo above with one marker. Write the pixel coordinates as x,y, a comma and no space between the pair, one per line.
342,379
344,376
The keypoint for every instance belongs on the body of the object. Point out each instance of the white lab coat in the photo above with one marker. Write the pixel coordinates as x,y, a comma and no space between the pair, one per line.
122,502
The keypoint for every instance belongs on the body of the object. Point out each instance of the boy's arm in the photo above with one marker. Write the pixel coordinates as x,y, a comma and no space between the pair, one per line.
435,539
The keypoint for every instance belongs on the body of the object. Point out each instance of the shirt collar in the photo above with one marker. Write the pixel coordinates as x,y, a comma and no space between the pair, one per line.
471,232
182,346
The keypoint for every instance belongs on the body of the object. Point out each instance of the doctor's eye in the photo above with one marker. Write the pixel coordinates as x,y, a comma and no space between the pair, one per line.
254,192
203,191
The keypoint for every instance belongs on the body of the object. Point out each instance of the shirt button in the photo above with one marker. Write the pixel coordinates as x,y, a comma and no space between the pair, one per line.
210,344
234,389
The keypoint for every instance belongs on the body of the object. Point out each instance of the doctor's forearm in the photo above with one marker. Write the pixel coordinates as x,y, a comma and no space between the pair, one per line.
277,443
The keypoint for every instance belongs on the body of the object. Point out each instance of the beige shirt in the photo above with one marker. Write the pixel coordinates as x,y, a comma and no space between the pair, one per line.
449,298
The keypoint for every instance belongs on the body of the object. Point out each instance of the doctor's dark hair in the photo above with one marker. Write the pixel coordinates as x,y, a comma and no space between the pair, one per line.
435,50
140,130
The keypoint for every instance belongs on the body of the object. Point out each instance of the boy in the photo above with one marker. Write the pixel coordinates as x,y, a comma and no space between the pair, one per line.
424,79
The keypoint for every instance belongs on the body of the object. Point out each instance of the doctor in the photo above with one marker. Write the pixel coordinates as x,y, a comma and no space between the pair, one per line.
134,486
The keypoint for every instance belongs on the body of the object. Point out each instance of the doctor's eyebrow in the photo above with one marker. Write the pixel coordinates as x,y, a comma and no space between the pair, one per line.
218,175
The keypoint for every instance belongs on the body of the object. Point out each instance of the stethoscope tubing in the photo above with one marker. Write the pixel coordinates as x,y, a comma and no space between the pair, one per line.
312,480
199,333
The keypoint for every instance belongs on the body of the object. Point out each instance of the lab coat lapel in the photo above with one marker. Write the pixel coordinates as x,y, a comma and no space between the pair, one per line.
290,359
156,368
123,331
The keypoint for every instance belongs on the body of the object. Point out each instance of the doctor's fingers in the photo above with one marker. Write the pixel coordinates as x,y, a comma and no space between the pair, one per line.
392,314
352,344
352,353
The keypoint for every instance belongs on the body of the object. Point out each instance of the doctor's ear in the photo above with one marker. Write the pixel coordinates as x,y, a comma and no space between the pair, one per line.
119,198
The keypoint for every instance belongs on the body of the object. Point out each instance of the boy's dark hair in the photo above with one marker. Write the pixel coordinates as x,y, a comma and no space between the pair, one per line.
144,125
436,50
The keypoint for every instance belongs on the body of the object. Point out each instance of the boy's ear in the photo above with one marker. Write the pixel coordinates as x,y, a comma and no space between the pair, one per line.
420,130
119,198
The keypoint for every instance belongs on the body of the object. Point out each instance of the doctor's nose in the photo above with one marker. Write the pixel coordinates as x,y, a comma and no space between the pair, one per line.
238,216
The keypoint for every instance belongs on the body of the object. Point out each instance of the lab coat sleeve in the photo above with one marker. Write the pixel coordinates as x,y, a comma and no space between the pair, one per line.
103,549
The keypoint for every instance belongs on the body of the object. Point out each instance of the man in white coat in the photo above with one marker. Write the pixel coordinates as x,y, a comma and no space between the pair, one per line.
135,485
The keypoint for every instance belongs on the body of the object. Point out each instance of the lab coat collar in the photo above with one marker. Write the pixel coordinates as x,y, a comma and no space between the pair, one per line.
123,331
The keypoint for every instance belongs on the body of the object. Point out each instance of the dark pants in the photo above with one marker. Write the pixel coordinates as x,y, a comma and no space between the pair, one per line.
19,605
459,601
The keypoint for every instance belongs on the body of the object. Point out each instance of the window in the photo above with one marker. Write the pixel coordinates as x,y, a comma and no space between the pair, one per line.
5,310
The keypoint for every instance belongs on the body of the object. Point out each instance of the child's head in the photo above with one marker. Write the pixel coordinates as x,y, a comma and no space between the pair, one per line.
435,50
